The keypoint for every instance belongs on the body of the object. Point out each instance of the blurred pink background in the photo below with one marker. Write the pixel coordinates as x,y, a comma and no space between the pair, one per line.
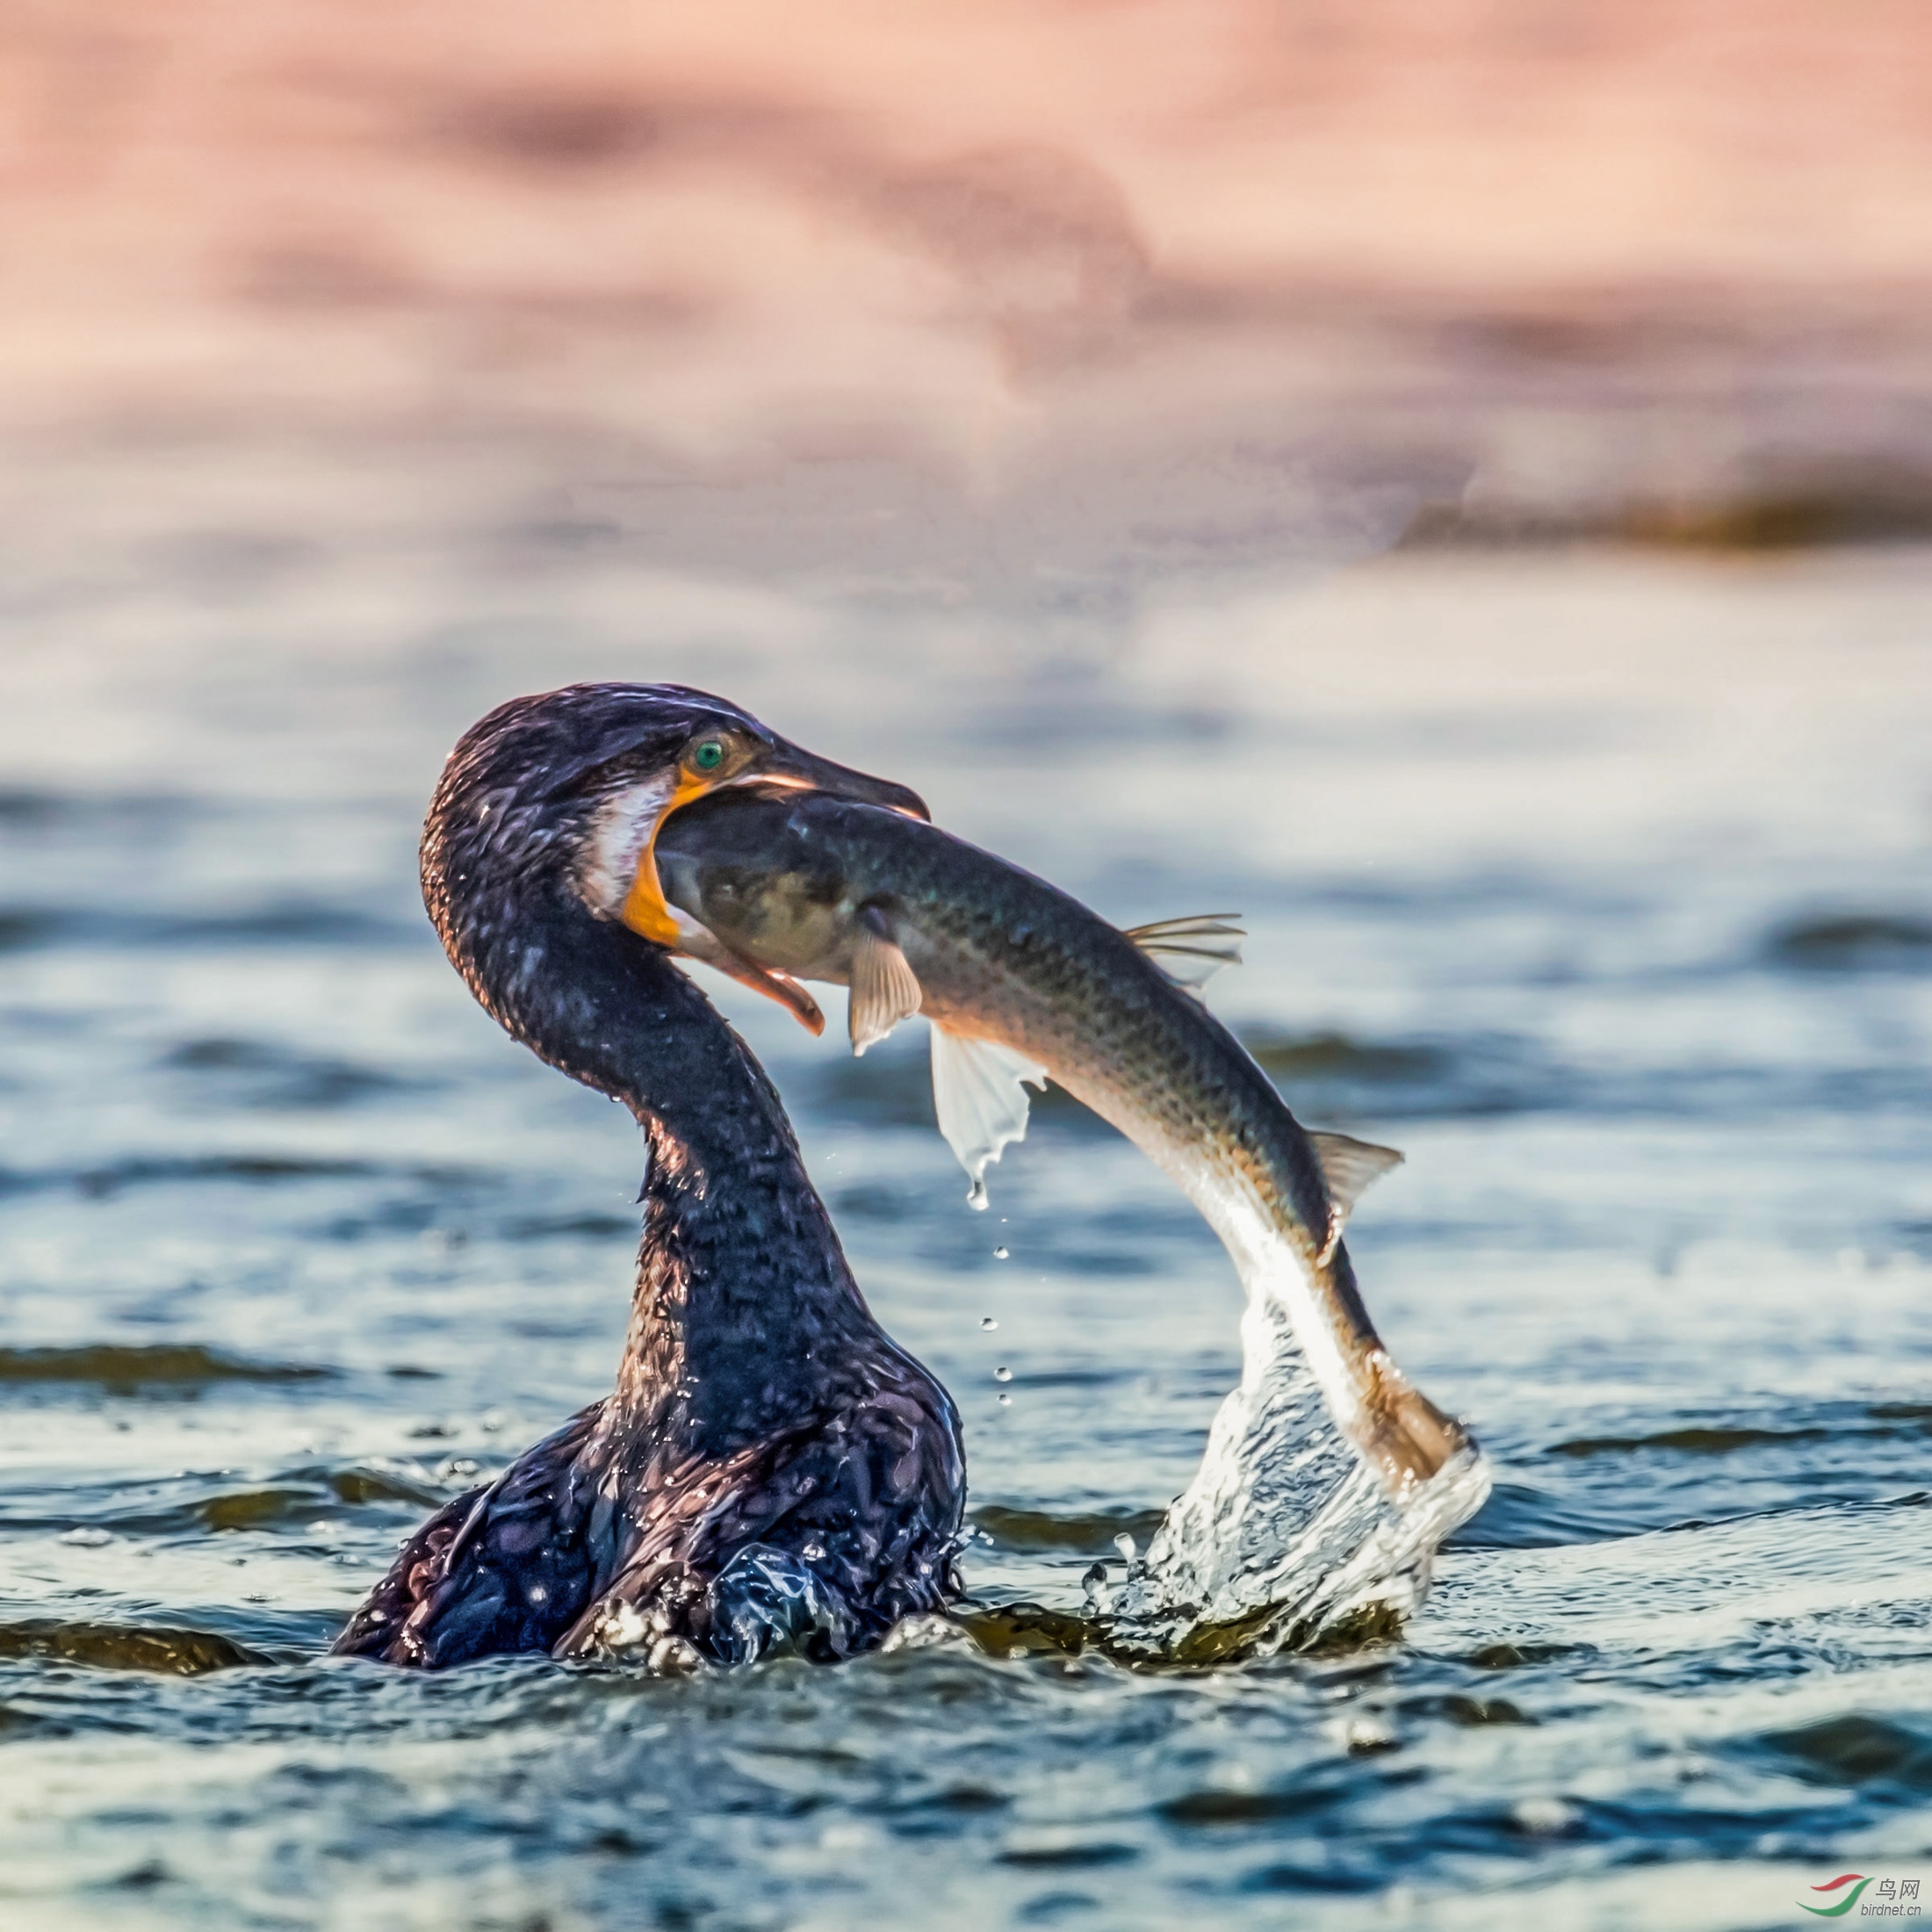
975,298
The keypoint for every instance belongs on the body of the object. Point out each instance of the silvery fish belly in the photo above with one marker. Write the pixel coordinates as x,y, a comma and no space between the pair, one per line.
1329,1479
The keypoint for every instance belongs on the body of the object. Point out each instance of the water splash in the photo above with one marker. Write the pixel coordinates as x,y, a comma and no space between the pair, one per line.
1285,1532
768,1602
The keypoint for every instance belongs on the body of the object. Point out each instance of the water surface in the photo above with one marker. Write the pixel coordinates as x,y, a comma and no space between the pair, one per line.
1599,886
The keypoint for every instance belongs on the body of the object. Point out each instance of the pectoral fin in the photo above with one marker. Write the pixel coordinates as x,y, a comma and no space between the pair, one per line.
980,1103
1191,951
1350,1166
885,989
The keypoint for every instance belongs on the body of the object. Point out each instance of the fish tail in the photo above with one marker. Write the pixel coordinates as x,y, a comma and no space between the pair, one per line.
1401,1431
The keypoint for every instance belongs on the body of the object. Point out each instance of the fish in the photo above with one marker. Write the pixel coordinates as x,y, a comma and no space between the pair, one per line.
1022,983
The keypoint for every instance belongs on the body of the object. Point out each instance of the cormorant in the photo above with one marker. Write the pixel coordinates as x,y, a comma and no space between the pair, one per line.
772,1469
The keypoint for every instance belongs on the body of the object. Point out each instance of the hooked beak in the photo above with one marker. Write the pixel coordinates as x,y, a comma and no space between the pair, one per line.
798,770
775,766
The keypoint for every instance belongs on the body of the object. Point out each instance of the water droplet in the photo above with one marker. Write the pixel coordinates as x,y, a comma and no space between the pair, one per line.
1006,1402
1124,1544
987,1321
812,1551
1001,1252
976,1196
1002,1373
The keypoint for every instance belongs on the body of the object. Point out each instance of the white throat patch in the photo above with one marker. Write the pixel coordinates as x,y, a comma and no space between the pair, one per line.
620,830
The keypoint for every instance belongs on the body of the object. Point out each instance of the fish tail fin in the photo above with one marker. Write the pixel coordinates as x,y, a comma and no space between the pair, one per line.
1401,1432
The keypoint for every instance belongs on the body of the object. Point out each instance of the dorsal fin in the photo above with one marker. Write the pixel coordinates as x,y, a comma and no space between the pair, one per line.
980,1104
1349,1167
884,988
1192,950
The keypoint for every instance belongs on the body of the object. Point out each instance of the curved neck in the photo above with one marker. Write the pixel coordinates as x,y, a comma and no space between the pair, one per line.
743,1293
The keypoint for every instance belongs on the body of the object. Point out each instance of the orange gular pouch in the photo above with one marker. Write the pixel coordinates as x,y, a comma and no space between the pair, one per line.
647,915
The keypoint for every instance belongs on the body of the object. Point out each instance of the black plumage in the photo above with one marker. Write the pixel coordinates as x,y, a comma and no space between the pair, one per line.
771,1468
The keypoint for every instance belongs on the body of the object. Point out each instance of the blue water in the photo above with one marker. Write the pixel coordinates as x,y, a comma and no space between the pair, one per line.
1599,885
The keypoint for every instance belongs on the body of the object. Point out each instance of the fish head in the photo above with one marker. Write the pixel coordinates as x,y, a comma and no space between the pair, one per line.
572,788
749,865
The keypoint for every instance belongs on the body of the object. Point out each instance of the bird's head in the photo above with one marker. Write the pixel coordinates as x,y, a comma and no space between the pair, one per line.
553,802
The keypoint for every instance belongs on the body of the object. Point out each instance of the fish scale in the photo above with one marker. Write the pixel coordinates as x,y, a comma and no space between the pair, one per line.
1021,982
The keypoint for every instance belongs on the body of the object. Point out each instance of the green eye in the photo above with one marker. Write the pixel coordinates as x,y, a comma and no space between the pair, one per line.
708,755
